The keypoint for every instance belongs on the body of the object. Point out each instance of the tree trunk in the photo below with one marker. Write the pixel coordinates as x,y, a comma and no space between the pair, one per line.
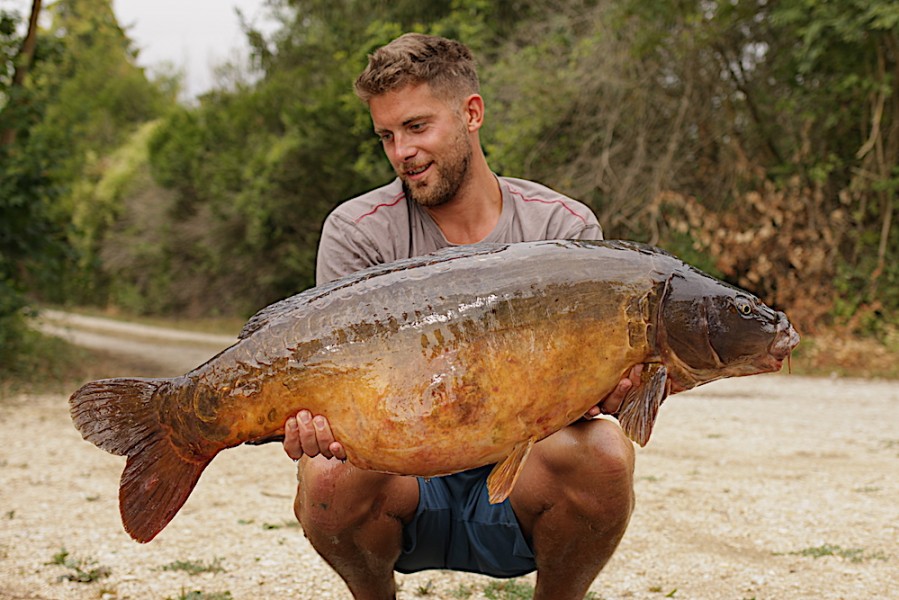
24,60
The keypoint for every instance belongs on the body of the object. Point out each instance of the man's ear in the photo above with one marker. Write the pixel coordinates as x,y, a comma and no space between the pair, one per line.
474,112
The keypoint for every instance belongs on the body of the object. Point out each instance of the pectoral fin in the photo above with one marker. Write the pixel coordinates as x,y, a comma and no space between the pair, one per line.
504,475
641,404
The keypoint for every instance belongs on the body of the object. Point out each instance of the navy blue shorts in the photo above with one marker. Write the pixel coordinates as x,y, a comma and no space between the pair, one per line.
455,527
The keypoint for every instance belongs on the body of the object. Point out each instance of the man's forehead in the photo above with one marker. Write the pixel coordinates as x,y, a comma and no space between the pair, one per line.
402,106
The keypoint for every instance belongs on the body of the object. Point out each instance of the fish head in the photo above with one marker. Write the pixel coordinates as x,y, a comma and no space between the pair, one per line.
716,330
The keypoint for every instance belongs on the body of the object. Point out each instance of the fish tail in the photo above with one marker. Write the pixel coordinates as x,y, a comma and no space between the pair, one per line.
119,416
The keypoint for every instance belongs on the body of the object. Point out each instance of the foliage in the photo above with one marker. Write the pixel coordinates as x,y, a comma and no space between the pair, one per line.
31,231
34,361
95,92
816,155
82,97
96,96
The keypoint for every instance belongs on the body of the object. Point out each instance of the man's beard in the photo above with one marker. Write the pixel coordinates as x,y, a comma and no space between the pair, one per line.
451,175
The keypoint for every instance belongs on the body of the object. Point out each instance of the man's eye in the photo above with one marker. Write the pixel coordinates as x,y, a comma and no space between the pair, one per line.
385,137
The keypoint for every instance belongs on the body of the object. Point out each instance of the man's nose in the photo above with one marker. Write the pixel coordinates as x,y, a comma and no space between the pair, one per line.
403,148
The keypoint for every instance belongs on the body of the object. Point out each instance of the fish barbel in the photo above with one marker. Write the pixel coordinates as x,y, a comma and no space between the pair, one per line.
438,364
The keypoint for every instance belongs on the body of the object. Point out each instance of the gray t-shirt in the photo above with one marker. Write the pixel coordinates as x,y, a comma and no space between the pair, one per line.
382,226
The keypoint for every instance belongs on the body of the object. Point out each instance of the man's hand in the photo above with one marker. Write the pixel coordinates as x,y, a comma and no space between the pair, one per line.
305,434
611,404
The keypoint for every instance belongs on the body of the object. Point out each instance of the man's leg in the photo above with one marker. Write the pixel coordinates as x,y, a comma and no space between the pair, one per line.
574,499
354,519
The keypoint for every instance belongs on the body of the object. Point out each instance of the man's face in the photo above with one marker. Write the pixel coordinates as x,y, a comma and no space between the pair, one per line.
426,140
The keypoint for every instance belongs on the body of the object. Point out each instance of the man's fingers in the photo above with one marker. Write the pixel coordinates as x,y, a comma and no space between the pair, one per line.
308,440
292,439
636,372
613,403
593,412
311,436
337,450
323,436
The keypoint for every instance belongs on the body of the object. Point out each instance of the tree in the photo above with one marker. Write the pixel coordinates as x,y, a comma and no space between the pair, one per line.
96,97
30,231
68,97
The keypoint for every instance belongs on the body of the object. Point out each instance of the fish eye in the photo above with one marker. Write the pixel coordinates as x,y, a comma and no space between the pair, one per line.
744,307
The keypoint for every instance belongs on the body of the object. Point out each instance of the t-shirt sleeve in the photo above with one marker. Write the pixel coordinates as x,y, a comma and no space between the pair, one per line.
585,227
588,231
343,249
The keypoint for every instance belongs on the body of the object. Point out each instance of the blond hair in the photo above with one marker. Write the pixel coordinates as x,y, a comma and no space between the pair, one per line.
414,58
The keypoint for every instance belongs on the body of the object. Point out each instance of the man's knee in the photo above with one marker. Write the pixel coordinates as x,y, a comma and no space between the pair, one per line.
333,496
611,452
611,472
323,501
588,451
588,466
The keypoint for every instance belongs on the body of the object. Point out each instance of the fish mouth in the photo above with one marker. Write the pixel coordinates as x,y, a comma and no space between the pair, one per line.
786,338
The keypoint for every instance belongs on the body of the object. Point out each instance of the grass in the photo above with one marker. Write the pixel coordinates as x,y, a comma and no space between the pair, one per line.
855,555
47,364
284,524
200,595
194,567
509,589
426,589
83,570
462,591
40,363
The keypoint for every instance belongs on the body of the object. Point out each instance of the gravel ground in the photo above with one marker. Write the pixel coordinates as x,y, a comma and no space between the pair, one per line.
767,487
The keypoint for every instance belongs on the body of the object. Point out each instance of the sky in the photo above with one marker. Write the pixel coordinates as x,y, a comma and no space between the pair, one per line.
193,35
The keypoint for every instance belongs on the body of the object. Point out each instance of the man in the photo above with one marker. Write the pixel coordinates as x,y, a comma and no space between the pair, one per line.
572,502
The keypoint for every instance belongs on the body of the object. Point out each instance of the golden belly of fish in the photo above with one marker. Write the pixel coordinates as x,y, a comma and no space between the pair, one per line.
430,406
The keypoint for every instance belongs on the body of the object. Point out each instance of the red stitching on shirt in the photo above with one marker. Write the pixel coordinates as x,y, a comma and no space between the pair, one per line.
396,200
520,194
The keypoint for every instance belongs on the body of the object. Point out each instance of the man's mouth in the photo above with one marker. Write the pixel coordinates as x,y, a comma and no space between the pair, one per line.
416,171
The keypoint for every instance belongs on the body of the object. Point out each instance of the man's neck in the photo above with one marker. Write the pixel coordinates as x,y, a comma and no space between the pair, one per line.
475,211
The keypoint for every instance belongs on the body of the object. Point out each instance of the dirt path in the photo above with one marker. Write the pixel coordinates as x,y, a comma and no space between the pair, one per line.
768,487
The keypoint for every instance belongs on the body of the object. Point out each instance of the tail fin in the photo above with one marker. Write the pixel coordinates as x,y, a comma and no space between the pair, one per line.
119,416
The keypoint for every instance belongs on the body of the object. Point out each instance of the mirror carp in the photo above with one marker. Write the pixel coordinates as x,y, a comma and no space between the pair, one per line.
439,363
